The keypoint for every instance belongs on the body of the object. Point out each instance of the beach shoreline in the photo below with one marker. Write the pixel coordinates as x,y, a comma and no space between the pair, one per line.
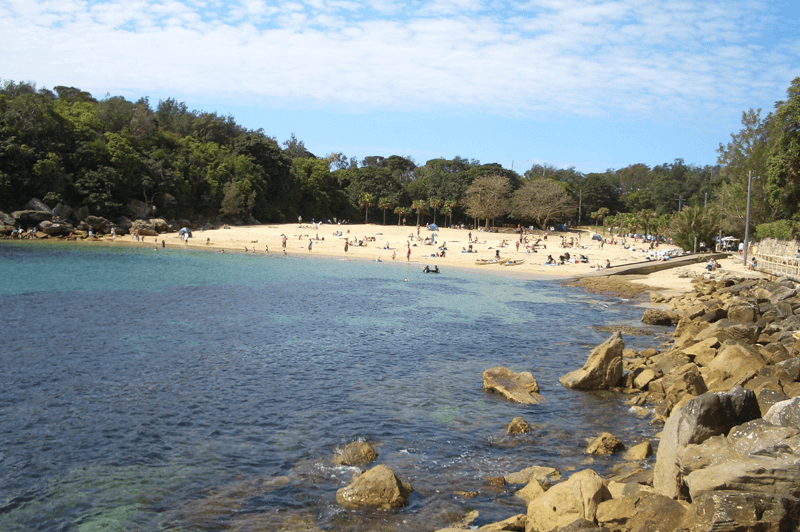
391,243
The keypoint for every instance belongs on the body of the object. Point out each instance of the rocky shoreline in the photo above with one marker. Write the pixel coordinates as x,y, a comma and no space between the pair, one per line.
726,388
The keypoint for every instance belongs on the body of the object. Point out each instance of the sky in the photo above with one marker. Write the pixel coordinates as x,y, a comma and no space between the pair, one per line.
594,84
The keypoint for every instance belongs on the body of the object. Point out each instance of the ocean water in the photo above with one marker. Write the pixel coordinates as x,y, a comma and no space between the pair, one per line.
183,390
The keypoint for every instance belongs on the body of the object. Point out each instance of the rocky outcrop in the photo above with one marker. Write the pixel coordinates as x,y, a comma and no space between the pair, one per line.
742,511
29,217
377,488
144,227
603,368
37,205
516,387
58,228
355,453
641,511
709,415
564,503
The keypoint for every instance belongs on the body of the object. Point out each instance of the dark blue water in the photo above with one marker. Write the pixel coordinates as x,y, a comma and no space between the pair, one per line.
180,390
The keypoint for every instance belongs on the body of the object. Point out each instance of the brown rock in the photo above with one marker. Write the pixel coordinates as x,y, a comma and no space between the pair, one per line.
378,487
576,498
516,387
604,444
659,317
531,491
639,452
515,523
545,475
357,452
603,368
518,426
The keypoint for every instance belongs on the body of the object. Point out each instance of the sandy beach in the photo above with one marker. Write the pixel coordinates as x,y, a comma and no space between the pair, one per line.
392,242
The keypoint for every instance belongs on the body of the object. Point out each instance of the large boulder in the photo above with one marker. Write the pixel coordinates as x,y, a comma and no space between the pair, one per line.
641,511
354,453
37,205
722,511
377,488
28,217
564,503
744,311
516,387
81,213
140,209
160,224
58,228
730,330
735,359
5,219
785,413
98,224
756,456
709,415
603,368
144,227
62,212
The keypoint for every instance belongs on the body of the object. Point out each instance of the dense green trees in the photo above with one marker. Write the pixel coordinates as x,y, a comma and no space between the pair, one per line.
66,146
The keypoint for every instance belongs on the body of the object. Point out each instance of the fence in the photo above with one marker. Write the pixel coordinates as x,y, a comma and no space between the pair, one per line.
778,265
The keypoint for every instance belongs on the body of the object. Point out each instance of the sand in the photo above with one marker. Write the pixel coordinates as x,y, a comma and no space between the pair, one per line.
326,241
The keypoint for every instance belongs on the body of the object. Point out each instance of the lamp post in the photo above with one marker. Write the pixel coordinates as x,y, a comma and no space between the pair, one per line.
747,222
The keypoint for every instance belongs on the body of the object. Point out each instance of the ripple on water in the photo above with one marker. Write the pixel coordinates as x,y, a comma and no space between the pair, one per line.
185,391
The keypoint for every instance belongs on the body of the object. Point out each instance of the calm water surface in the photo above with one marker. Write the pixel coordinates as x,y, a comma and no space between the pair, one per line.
187,391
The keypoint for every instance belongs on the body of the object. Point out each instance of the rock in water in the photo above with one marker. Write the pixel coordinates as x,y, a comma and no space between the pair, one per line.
603,368
357,452
659,317
517,387
605,444
518,426
377,488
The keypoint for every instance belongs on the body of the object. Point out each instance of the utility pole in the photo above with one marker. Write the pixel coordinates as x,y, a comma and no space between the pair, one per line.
706,203
747,223
680,203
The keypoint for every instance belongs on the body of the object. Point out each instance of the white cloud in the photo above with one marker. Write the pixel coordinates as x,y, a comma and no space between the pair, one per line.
555,57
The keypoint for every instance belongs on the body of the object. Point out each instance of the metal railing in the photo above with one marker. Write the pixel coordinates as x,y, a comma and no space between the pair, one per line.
778,265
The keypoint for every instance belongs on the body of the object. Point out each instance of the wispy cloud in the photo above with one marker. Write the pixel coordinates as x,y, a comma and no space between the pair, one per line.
551,57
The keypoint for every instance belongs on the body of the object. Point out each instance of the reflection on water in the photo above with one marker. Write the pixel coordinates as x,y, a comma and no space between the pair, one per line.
178,390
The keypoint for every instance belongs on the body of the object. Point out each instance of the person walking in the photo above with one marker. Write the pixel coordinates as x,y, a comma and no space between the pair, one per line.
310,242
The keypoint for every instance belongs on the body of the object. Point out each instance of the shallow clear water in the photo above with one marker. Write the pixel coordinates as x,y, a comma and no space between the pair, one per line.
181,390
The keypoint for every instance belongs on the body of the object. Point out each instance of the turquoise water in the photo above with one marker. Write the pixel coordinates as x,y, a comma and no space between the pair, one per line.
148,389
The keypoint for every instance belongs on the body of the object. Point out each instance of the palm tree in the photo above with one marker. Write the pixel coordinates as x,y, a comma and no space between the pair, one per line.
435,203
603,212
385,204
401,212
596,216
451,206
366,200
646,215
420,207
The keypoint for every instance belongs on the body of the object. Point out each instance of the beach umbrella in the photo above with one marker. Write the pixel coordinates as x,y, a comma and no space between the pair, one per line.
185,230
433,227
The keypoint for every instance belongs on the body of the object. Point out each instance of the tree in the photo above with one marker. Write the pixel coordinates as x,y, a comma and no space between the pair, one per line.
647,216
385,204
603,212
694,224
435,203
595,216
366,200
542,200
487,197
450,205
401,213
783,165
239,198
420,207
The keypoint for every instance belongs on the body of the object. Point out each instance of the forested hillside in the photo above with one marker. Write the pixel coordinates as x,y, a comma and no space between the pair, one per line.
66,146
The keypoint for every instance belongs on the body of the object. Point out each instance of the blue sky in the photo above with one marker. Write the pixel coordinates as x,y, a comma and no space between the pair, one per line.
594,84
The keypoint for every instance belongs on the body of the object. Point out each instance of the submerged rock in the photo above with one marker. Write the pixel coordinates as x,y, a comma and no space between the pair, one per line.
357,452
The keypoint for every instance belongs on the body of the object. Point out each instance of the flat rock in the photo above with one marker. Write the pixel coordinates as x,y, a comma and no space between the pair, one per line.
516,387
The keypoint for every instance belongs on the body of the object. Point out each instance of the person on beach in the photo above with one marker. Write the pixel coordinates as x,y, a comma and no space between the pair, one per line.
346,245
408,253
283,241
310,242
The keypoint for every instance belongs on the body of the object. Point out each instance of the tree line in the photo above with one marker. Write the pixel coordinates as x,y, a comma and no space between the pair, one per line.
65,146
